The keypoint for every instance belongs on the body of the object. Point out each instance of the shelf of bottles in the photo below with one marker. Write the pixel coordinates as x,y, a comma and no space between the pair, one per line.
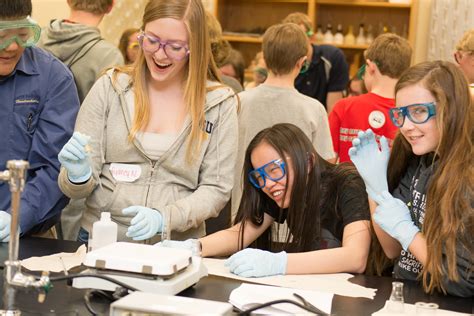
345,43
365,3
348,24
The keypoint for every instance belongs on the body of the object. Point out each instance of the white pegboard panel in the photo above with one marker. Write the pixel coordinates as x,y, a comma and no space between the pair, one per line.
449,20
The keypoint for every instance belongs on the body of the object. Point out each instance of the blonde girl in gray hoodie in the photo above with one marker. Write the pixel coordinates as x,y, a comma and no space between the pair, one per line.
154,143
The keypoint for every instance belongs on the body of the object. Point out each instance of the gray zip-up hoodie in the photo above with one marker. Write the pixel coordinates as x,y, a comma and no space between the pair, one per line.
186,195
82,49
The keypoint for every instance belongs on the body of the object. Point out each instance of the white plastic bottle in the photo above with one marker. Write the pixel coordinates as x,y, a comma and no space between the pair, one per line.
339,37
360,39
319,34
104,232
328,36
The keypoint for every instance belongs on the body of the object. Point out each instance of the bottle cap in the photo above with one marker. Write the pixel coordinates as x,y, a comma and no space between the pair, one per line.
105,216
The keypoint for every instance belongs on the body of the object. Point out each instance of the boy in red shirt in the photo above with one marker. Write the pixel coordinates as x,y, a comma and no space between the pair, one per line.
385,60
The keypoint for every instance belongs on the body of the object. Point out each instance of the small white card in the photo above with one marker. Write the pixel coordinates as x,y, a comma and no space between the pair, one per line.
125,172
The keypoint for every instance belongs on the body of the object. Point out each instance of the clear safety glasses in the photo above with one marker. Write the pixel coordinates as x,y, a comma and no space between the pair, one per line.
25,33
417,113
274,170
174,50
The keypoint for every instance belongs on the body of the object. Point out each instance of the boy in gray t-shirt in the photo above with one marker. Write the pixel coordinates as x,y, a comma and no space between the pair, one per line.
277,101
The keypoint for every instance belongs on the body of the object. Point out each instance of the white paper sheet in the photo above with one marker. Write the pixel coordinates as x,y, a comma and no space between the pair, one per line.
330,283
248,295
56,262
410,310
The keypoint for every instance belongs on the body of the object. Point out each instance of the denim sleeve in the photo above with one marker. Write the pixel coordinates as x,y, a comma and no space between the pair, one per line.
42,199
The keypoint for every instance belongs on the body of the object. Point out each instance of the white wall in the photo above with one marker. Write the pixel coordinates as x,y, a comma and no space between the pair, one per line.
46,10
127,13
423,19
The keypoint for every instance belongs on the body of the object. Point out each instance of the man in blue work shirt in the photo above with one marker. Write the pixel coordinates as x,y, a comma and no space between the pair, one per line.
38,108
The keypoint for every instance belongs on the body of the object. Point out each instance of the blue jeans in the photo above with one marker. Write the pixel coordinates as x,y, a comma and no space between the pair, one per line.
83,236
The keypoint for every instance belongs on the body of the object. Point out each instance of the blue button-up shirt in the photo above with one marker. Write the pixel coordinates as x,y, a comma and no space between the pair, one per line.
38,108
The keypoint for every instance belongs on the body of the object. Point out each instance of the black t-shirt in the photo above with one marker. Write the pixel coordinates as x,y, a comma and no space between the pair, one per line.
327,72
412,190
344,200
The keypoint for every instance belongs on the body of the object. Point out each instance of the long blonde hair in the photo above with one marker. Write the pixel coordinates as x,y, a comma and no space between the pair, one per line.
449,217
200,68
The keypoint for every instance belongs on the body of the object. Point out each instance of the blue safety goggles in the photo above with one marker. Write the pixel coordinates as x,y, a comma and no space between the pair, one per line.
274,170
418,113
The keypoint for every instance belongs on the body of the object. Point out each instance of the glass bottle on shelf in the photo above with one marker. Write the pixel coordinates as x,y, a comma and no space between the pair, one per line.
360,39
370,35
339,37
319,34
328,36
349,39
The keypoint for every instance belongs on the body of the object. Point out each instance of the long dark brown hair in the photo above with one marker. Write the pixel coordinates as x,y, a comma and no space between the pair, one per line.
449,214
303,214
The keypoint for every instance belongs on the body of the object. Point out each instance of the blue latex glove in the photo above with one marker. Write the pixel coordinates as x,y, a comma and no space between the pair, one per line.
393,216
190,244
257,263
371,162
145,224
5,219
73,157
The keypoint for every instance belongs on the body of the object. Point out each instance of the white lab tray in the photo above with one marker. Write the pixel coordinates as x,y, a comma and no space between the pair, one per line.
139,258
141,303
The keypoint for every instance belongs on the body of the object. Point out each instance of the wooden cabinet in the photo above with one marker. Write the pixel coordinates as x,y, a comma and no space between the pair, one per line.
244,21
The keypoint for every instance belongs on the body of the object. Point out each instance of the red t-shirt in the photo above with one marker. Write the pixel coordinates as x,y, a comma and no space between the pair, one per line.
354,114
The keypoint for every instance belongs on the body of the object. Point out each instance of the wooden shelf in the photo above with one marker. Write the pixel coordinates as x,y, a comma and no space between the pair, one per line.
243,38
375,4
244,20
277,1
258,40
345,46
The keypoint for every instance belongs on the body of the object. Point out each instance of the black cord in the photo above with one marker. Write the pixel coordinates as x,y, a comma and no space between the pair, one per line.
248,311
87,302
92,275
120,291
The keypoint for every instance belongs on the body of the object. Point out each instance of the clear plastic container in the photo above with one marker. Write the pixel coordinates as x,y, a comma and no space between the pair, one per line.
104,232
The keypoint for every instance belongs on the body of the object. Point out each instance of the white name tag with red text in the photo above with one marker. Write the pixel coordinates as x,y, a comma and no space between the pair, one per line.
125,172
